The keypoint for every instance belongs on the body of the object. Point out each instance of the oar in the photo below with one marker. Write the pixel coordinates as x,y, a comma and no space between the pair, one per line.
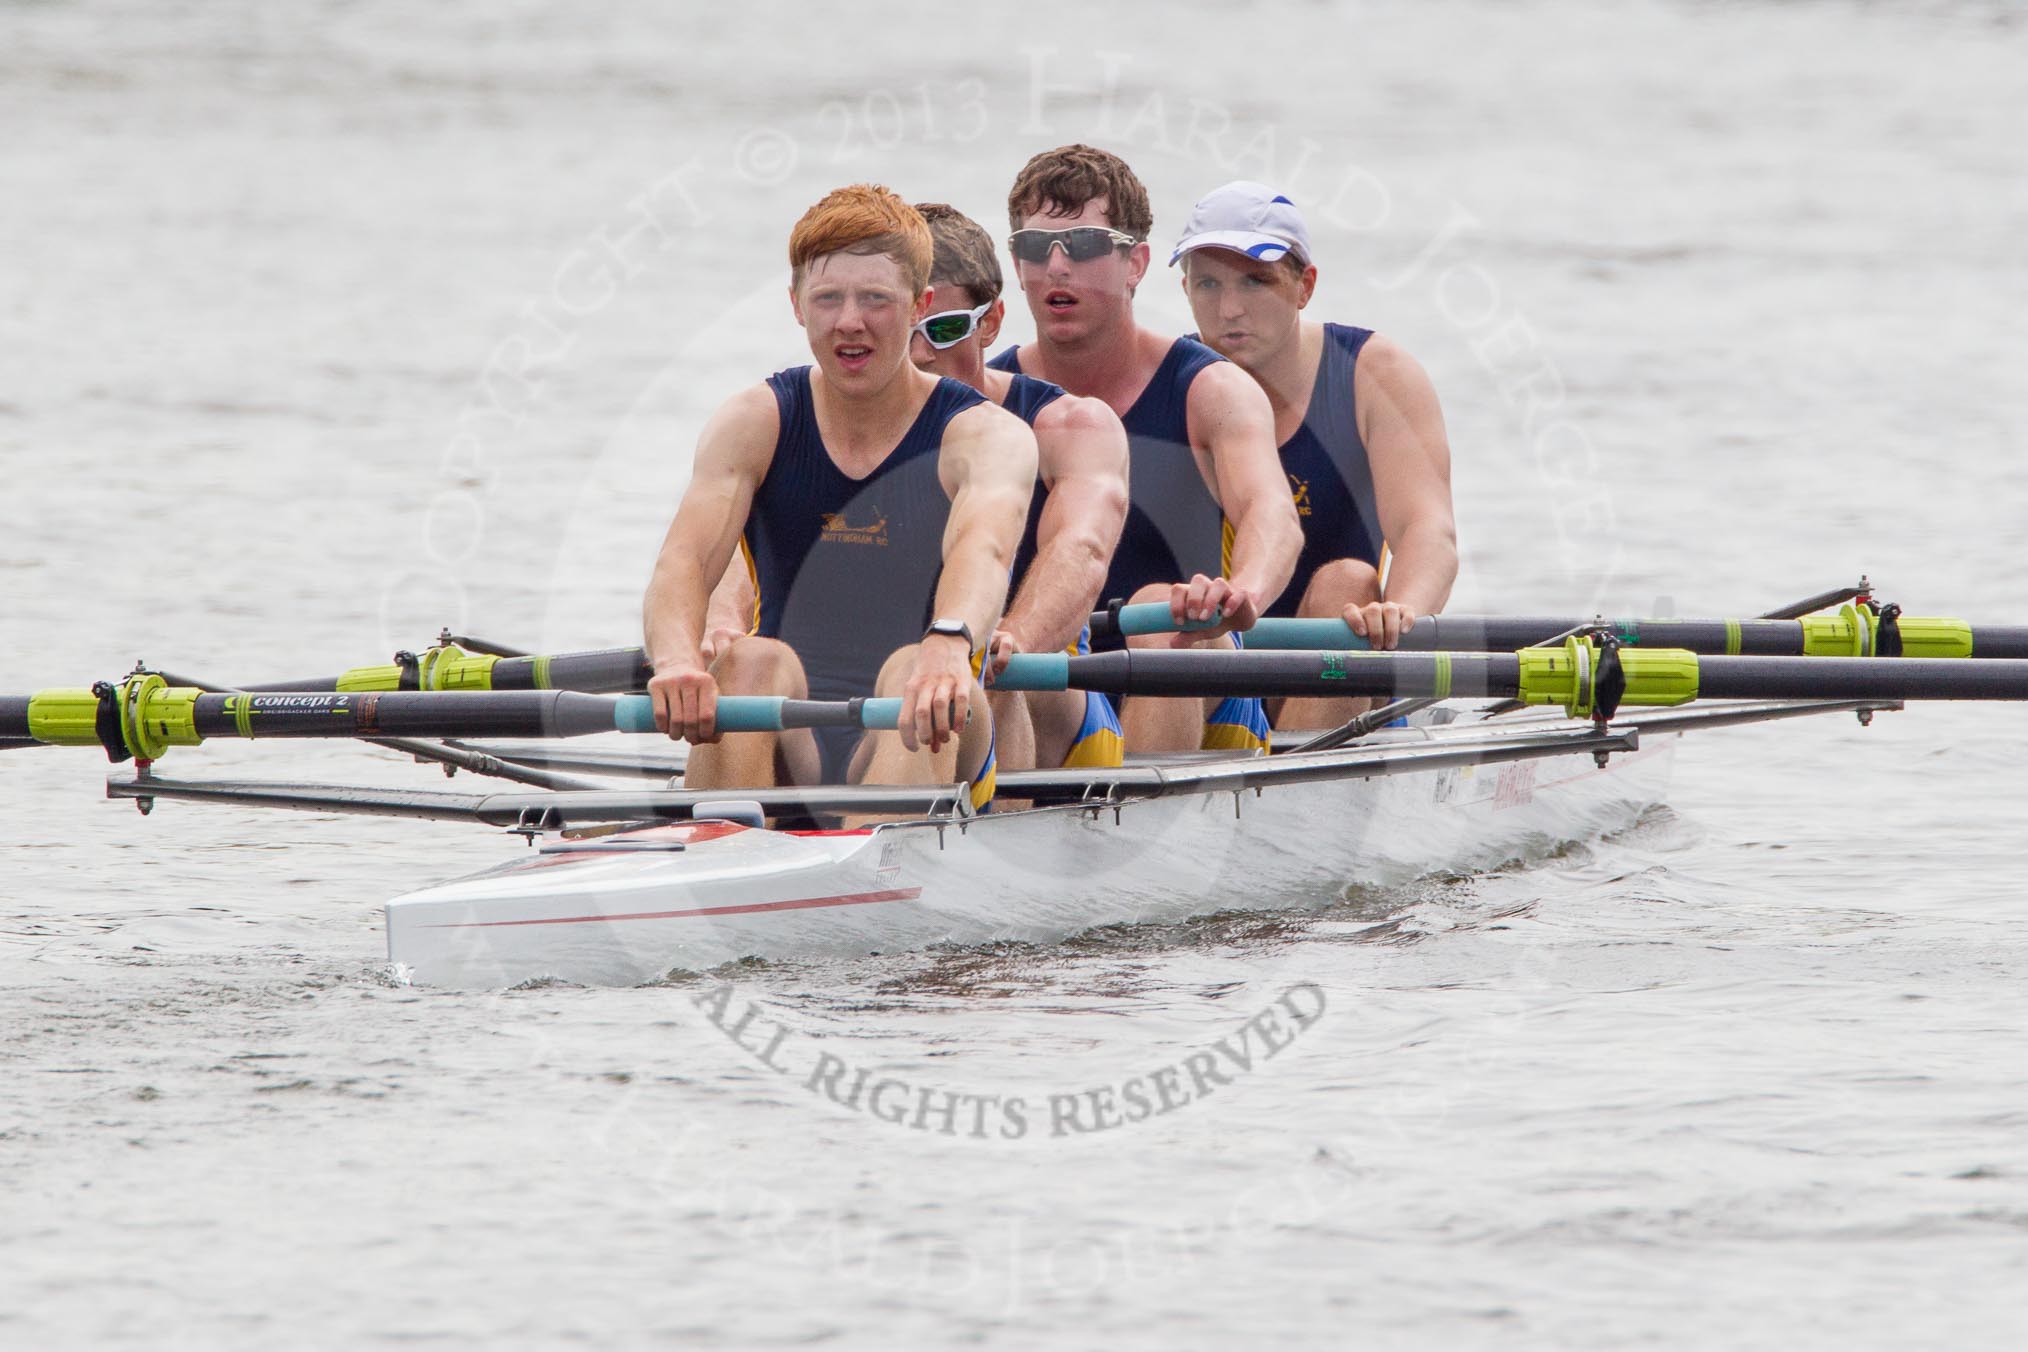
1579,675
1850,632
143,716
449,667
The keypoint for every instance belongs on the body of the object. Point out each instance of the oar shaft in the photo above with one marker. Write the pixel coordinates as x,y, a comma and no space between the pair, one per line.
600,670
1567,674
1849,632
533,713
1271,675
1905,678
144,716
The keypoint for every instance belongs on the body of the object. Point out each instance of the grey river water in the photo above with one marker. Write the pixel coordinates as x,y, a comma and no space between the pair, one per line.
323,325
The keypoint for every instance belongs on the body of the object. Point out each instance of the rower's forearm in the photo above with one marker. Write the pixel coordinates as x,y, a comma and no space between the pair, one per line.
974,593
732,600
1265,545
1057,594
672,616
1421,569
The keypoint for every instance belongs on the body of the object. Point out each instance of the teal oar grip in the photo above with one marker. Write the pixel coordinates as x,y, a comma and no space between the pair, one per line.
736,713
769,713
1152,617
634,713
1040,671
1311,635
750,713
880,713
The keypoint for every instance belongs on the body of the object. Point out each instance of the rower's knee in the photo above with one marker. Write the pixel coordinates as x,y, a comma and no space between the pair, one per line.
896,670
900,665
759,666
1340,583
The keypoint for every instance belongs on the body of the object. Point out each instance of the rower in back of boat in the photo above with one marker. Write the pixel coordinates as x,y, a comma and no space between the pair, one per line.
1210,529
1073,521
1360,432
878,508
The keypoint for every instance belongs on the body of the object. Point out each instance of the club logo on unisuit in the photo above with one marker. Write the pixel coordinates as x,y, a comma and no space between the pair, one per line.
839,531
1299,489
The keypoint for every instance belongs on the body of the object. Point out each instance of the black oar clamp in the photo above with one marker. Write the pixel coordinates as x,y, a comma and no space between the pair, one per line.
411,670
1887,631
107,722
1596,629
1609,678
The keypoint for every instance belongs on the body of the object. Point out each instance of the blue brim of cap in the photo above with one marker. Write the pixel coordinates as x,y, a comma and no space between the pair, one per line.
1267,248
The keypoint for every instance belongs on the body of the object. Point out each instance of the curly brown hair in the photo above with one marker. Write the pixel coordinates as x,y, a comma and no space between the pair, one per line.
1059,182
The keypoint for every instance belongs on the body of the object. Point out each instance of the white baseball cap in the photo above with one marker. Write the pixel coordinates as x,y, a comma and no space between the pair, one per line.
1246,217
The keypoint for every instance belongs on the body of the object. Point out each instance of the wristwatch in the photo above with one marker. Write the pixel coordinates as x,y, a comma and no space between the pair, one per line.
953,628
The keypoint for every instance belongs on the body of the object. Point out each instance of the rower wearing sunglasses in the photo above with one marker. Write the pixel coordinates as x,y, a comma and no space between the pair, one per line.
1210,529
878,509
1360,431
1073,522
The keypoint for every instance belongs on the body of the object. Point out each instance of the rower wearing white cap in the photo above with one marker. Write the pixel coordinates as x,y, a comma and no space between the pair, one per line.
1356,418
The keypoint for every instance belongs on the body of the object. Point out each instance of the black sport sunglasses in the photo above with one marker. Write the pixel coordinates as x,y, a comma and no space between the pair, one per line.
1081,243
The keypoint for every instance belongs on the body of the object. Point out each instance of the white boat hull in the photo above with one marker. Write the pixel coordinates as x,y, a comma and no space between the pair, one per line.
620,918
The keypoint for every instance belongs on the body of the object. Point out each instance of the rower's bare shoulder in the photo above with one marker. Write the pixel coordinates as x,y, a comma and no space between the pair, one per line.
984,418
985,427
986,445
1386,368
748,422
1223,395
755,404
1075,434
1078,415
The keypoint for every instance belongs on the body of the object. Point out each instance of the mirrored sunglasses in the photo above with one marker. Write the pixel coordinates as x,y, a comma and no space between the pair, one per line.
948,328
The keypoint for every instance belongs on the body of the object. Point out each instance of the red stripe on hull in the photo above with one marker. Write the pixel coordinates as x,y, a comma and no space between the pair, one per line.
750,908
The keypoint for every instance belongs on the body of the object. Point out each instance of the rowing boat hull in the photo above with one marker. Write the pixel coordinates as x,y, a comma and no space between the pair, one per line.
616,914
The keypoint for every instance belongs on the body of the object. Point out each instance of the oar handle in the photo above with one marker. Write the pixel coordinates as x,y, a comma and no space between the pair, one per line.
1152,617
1036,671
769,713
